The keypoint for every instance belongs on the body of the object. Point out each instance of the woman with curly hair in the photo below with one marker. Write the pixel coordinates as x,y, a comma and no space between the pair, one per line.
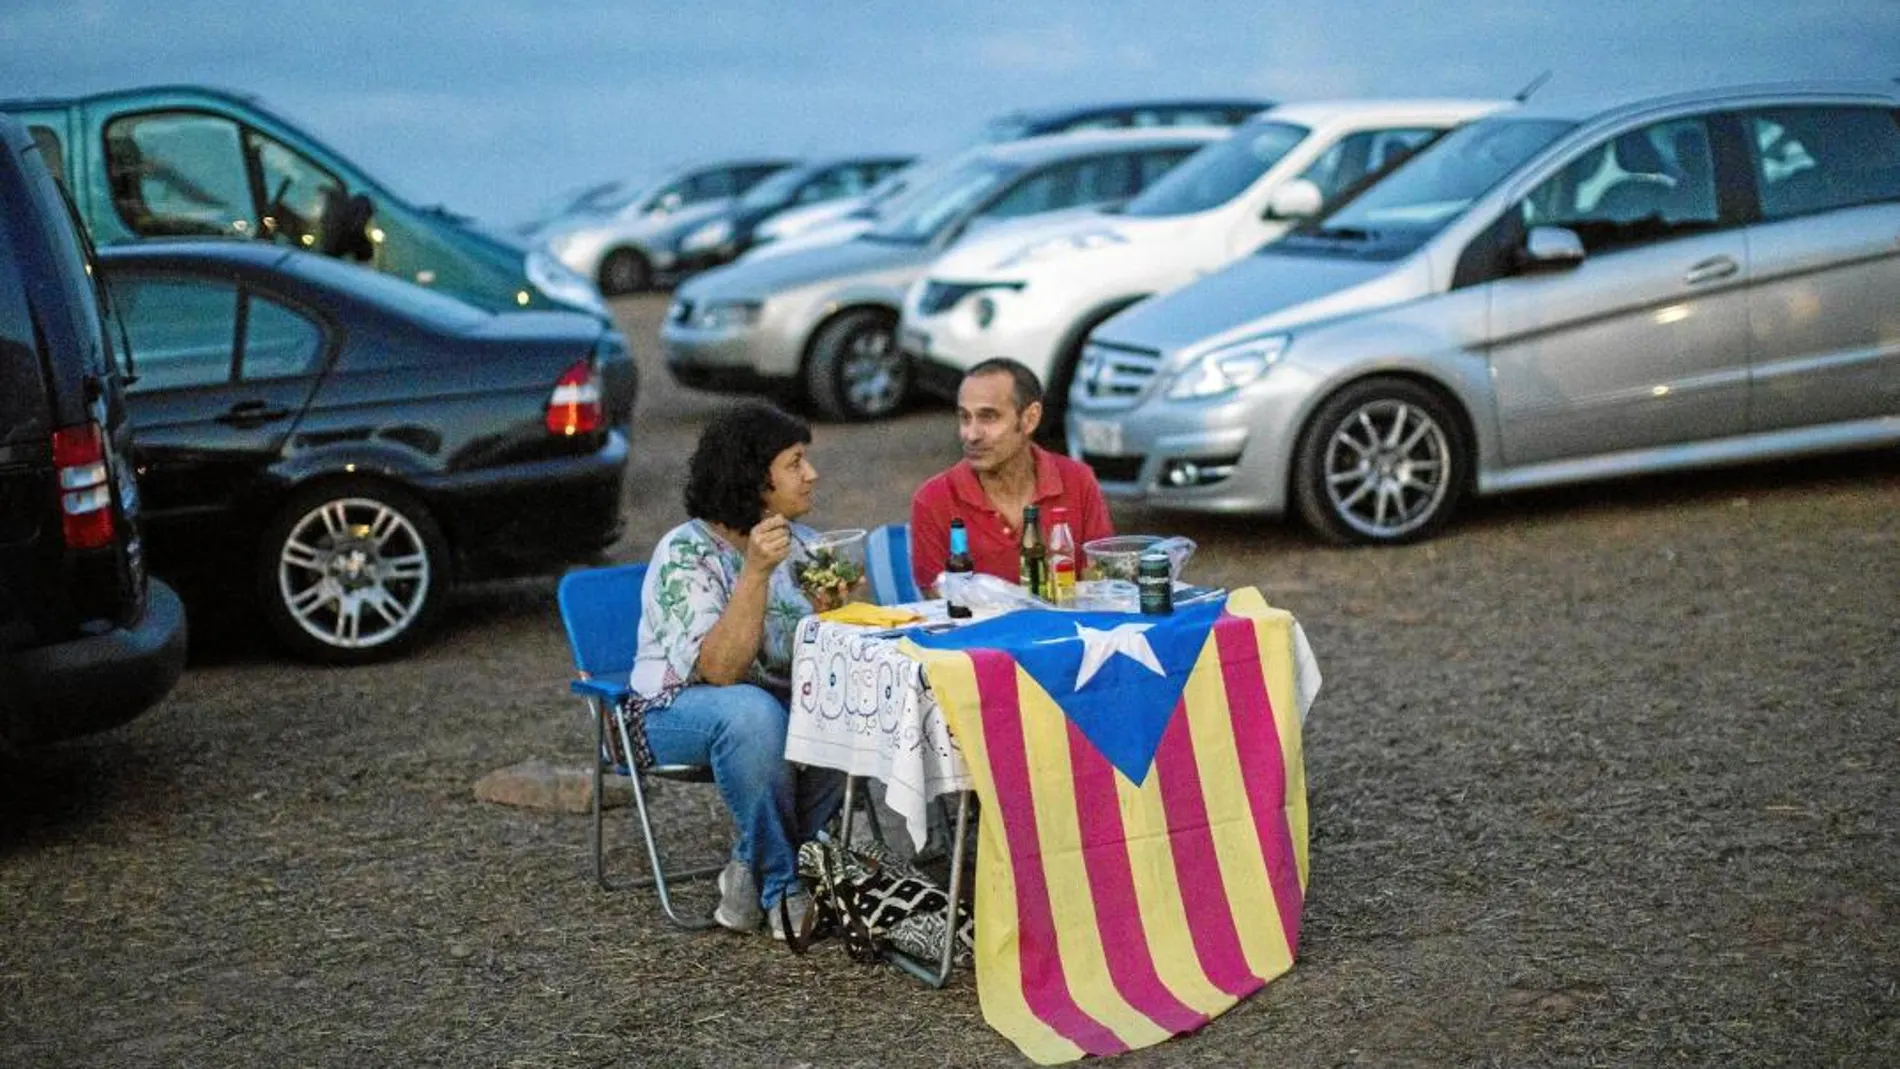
712,675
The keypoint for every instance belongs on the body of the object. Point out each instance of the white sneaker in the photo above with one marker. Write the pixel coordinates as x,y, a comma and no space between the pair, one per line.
738,907
798,907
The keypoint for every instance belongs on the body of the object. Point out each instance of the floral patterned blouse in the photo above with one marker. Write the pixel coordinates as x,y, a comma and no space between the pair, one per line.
687,588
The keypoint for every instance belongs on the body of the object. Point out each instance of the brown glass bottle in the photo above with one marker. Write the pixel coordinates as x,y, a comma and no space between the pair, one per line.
1032,555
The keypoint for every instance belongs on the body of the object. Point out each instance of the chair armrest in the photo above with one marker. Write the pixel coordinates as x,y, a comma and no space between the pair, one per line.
604,689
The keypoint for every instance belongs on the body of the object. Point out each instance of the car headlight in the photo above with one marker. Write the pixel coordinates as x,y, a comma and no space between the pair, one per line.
1224,370
1063,246
562,285
727,315
707,236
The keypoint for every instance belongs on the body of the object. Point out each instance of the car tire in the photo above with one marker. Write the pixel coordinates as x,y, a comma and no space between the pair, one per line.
1382,462
352,571
625,271
856,370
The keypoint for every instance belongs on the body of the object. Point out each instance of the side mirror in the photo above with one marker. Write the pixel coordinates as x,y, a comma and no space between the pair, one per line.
669,203
346,226
1296,198
1550,247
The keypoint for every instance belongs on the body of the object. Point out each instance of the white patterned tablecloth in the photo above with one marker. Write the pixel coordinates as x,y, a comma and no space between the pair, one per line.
861,706
864,708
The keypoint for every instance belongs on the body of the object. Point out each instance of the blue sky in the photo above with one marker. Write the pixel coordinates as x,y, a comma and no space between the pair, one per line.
493,106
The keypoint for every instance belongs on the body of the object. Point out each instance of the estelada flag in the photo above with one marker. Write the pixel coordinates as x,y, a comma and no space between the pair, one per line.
1141,858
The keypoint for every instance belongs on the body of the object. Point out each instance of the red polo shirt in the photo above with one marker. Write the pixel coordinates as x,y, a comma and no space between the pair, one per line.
1060,483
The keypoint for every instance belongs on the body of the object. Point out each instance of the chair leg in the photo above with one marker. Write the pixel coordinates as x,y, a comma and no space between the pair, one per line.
658,869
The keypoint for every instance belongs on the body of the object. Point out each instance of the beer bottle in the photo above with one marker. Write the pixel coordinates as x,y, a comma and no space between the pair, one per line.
959,563
1061,558
1033,555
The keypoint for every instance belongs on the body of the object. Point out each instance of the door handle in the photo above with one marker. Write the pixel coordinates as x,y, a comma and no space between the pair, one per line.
251,414
1711,269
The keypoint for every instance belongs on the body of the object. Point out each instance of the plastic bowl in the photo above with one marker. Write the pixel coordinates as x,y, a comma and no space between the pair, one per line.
1119,556
845,545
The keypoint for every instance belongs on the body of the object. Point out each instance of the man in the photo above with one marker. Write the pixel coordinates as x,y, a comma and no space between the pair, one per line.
999,405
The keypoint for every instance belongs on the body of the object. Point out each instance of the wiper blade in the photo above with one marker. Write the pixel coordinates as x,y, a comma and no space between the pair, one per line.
1343,233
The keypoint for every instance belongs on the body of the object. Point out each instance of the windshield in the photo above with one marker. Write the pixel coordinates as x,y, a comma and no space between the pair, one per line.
777,189
922,214
1218,173
1428,192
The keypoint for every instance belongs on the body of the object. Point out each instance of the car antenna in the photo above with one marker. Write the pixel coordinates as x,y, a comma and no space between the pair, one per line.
1537,83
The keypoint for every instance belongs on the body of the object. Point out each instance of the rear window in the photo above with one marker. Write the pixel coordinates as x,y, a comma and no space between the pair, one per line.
1817,159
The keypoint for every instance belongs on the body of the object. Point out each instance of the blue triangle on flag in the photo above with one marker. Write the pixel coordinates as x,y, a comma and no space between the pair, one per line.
1135,667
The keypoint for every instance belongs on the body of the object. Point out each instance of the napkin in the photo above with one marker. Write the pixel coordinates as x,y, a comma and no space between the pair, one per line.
867,615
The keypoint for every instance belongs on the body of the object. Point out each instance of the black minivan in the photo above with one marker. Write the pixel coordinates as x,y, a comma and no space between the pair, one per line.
87,642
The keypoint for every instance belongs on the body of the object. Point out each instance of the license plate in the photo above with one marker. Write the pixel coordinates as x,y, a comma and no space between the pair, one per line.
915,342
1100,436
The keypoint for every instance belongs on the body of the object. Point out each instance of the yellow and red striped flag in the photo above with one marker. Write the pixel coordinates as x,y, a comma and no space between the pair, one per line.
1141,860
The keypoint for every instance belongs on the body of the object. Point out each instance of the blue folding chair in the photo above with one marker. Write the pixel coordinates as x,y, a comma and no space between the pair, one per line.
887,564
600,607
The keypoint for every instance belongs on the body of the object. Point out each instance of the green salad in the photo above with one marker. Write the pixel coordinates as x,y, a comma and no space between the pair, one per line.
825,572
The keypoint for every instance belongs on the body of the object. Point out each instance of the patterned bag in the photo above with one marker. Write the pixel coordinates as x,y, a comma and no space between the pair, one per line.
874,901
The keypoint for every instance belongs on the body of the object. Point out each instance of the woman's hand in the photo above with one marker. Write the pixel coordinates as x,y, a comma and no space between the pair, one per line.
829,598
768,544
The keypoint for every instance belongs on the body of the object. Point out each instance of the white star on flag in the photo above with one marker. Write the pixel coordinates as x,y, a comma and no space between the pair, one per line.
1099,646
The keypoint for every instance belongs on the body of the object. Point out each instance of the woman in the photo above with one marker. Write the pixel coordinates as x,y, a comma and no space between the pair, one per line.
710,681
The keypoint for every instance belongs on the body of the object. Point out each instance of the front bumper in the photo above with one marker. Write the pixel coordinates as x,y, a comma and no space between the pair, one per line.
764,354
521,519
92,684
1229,456
1025,330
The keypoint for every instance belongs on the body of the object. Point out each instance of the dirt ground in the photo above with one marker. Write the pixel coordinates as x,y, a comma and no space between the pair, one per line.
1600,777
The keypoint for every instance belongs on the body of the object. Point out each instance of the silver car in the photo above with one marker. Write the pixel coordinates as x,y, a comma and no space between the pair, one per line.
624,241
1542,297
820,323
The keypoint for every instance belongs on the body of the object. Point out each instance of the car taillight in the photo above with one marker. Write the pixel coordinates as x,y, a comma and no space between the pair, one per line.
85,489
574,407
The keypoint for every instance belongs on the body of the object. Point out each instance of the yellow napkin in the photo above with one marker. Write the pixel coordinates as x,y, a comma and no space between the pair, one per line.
867,615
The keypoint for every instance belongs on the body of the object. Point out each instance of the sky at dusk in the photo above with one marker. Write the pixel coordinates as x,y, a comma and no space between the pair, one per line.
492,107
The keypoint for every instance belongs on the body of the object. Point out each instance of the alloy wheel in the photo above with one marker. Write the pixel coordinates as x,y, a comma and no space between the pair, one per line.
1387,468
354,573
873,371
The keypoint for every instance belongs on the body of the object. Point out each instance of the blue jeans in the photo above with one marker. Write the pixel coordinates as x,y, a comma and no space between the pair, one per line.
740,731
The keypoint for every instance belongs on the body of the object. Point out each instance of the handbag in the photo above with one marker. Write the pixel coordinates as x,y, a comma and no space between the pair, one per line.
876,902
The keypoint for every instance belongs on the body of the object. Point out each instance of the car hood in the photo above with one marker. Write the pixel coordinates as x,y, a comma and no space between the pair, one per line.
1265,292
674,223
757,279
994,251
822,236
798,220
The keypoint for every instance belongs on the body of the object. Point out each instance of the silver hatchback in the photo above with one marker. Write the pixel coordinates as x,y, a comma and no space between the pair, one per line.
1539,298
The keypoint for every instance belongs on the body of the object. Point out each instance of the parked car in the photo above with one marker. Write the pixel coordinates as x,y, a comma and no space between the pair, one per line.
721,238
1034,293
839,221
627,236
1115,115
87,641
820,324
168,161
1541,297
351,443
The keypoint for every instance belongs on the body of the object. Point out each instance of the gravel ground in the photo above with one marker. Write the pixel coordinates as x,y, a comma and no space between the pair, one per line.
1600,777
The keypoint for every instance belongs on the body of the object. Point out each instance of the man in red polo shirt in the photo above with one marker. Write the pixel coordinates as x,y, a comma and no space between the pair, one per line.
999,405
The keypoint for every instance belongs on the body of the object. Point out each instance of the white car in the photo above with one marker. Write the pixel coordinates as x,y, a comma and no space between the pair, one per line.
1034,293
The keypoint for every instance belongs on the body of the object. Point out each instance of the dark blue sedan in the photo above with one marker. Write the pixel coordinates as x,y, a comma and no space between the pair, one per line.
345,443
